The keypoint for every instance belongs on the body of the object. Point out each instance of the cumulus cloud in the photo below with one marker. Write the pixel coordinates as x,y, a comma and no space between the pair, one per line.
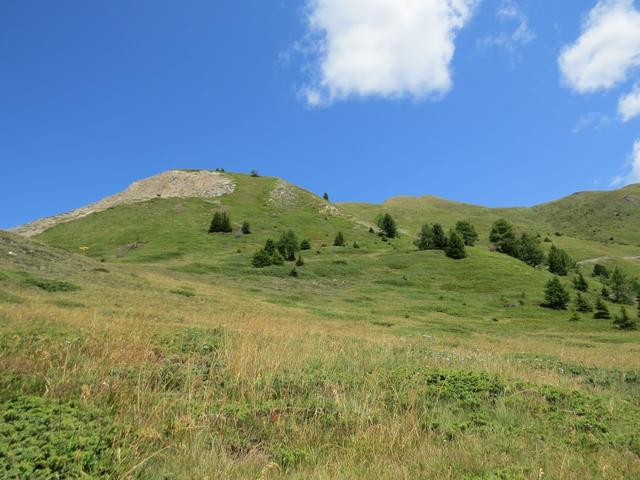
383,48
629,105
511,41
607,49
633,175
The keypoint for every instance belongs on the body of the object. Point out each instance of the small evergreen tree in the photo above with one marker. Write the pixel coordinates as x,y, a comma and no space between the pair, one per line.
254,173
529,250
560,263
638,301
355,244
261,259
371,230
305,244
277,259
221,223
425,238
326,196
299,262
387,226
270,246
580,283
624,321
288,245
339,241
582,304
503,238
455,246
602,311
439,237
468,232
293,272
575,317
600,271
246,228
620,291
556,295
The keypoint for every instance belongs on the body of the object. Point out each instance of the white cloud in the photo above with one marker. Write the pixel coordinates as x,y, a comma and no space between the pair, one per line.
607,49
384,48
629,105
633,175
592,120
522,35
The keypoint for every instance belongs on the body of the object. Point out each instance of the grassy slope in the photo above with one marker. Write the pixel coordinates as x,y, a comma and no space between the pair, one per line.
379,361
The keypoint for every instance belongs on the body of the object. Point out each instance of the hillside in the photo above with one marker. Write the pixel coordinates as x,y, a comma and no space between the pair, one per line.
376,360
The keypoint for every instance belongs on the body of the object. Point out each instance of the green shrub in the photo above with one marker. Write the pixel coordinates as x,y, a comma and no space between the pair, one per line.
51,285
455,246
262,259
556,295
221,223
246,228
339,240
468,233
183,292
305,244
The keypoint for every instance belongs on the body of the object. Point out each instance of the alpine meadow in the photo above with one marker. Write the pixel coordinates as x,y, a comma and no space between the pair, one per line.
215,325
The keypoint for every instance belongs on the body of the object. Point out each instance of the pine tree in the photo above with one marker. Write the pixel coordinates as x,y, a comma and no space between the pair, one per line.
371,230
556,295
560,263
529,250
355,244
326,196
619,287
468,232
261,259
221,223
602,311
387,226
455,246
605,293
305,244
277,259
425,238
580,283
246,228
582,304
299,262
503,237
439,237
288,245
600,271
624,321
339,241
270,246
293,272
254,173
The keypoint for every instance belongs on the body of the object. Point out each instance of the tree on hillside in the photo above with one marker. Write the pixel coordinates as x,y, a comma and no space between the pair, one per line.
439,237
261,259
468,232
288,245
600,271
503,237
556,295
293,272
305,244
387,226
582,304
326,196
529,250
277,259
605,293
254,173
560,263
246,228
623,321
425,238
580,283
455,246
300,261
221,223
638,301
602,311
269,246
339,240
620,288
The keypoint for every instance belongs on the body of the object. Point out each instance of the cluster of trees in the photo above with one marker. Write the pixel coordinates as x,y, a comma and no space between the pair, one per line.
286,249
221,223
557,296
432,237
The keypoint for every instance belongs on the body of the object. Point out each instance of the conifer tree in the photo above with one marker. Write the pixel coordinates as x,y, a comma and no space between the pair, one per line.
600,271
620,291
387,226
288,245
270,246
439,237
503,237
277,259
468,232
638,301
560,263
261,259
556,295
529,250
580,283
425,238
326,196
355,244
605,293
602,311
246,228
575,317
623,321
299,262
455,246
305,244
221,223
582,304
339,241
293,272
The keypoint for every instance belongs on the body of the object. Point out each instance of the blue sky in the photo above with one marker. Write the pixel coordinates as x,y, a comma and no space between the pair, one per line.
491,102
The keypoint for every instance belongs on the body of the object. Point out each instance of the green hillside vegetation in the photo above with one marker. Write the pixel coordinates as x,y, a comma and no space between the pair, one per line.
377,358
